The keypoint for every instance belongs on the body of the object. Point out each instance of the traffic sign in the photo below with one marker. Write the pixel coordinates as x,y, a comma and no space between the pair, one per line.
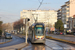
65,25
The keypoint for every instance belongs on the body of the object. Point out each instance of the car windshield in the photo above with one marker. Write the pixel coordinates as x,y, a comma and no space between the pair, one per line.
8,34
39,31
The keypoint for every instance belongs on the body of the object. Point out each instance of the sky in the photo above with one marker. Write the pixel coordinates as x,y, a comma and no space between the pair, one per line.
10,9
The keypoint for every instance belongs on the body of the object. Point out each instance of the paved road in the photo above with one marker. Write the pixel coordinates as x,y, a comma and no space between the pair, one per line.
70,38
4,40
50,45
16,40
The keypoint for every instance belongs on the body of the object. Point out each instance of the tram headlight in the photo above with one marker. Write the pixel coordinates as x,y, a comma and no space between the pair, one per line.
39,37
35,36
42,37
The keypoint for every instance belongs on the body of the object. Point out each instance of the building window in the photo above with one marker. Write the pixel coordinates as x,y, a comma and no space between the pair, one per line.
68,14
24,15
67,21
67,10
24,12
67,6
74,25
59,14
67,25
59,17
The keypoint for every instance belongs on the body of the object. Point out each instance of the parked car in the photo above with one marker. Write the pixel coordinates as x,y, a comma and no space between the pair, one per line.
61,33
55,32
58,33
74,33
8,35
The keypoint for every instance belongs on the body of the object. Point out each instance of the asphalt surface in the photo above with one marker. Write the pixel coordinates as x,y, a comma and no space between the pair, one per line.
70,38
4,40
15,40
50,45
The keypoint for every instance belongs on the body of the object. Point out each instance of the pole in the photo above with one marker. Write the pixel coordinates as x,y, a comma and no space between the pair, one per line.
64,31
65,26
36,18
26,30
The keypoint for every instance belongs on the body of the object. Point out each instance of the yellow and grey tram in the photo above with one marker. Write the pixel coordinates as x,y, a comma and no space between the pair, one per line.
37,33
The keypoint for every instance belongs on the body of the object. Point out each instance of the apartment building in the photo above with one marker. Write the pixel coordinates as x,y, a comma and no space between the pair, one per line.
48,17
72,8
59,14
71,24
67,13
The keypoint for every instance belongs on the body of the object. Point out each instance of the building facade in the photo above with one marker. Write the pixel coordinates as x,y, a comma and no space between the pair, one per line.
72,7
59,14
7,27
48,17
71,24
67,13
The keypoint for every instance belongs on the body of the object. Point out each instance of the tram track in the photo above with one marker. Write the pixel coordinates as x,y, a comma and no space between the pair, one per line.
58,45
63,47
53,49
36,47
49,45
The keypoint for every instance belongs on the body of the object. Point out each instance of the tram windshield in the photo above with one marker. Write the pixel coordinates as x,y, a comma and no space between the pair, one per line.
39,31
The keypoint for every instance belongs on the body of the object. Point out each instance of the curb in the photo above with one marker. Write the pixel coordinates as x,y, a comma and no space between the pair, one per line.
64,35
62,40
6,42
22,47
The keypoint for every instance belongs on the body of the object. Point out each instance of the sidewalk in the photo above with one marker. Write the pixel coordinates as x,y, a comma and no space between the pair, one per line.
14,47
65,37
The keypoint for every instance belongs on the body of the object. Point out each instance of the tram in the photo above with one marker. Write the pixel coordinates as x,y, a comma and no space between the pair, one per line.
37,33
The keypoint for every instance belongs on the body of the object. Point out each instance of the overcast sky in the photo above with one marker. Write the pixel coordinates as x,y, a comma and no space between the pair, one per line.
10,9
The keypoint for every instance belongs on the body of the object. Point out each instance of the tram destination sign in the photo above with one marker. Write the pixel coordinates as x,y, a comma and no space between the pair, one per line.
39,25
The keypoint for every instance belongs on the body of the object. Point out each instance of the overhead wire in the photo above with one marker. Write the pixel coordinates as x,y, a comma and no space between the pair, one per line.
39,1
7,17
40,4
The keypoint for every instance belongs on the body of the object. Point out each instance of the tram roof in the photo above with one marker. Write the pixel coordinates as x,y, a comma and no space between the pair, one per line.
37,24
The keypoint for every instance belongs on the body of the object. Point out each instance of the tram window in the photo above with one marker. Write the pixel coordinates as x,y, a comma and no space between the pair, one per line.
39,31
32,32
